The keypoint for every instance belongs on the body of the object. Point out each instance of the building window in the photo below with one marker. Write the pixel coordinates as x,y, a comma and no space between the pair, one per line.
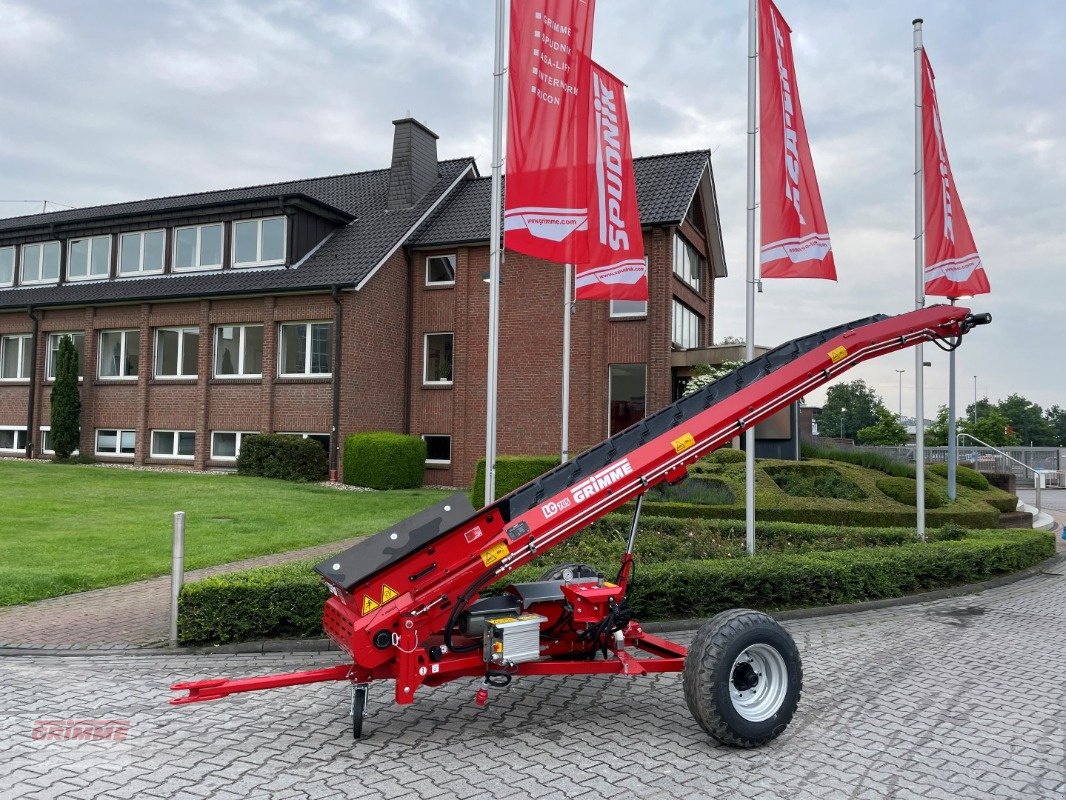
40,262
46,442
111,442
440,271
119,352
689,265
78,339
628,308
239,351
259,242
438,450
173,444
141,253
687,327
198,247
89,258
226,445
7,266
306,349
177,352
16,355
627,395
12,439
321,438
438,358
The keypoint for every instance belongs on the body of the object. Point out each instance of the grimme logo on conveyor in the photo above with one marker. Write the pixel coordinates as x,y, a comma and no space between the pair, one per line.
588,487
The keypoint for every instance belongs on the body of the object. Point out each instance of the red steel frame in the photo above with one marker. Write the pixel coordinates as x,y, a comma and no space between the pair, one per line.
424,586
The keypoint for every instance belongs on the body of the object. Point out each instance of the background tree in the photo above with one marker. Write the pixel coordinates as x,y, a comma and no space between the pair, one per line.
936,432
860,404
1028,420
66,402
992,427
1056,419
888,430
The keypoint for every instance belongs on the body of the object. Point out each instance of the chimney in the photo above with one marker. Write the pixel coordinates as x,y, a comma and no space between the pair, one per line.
414,163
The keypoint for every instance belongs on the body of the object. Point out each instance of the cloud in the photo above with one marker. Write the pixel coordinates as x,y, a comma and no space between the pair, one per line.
26,34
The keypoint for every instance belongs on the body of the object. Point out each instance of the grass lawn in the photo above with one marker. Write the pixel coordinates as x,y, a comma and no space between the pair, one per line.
68,528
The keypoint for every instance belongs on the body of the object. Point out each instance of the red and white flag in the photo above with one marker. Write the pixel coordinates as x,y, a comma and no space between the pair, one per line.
952,266
546,201
614,268
795,237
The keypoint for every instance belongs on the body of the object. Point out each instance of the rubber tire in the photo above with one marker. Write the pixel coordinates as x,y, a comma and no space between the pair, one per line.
706,676
358,712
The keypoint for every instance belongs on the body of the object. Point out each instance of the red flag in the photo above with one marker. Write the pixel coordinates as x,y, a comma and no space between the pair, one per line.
615,268
546,196
952,266
795,237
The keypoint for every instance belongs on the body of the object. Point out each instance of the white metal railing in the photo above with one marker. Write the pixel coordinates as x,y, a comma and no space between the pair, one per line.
1038,476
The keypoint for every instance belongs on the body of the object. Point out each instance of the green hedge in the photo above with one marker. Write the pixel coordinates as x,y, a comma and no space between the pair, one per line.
290,458
511,472
861,458
814,480
286,601
977,519
964,476
727,455
384,460
905,490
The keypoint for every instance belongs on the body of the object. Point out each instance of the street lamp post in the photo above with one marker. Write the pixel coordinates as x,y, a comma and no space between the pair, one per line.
842,422
900,373
974,399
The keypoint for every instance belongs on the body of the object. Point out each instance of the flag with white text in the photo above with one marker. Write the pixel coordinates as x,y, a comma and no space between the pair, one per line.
795,236
952,266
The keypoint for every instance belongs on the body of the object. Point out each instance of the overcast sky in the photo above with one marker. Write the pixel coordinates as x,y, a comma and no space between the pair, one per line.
105,102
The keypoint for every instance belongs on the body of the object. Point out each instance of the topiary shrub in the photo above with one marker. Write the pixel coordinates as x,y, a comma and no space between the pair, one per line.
384,460
289,458
809,480
905,490
511,473
702,491
727,455
964,476
66,402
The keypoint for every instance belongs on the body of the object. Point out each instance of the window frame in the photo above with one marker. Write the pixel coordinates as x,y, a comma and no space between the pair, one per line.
141,270
174,454
454,260
630,314
609,398
302,435
23,367
700,323
46,451
52,354
697,287
40,263
237,449
122,355
88,276
307,374
199,246
14,264
183,332
17,430
436,462
259,262
425,359
117,453
241,354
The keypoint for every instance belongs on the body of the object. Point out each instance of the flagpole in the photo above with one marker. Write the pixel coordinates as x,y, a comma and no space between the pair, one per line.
953,452
919,285
749,331
499,99
567,311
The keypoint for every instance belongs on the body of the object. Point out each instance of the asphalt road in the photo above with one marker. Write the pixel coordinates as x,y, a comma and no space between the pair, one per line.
960,698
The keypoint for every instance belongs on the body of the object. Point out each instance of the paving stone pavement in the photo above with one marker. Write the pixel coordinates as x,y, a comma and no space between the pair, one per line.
132,615
959,698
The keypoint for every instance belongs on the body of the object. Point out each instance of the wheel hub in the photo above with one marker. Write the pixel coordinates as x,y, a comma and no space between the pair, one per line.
758,682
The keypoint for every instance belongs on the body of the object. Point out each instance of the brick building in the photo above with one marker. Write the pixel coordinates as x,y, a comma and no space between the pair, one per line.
341,304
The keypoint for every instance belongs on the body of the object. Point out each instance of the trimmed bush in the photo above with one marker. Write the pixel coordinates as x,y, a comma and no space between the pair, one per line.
905,490
511,473
66,402
810,480
703,491
964,476
290,458
286,601
384,460
727,455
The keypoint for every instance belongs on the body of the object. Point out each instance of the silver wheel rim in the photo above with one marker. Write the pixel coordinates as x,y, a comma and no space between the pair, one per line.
758,682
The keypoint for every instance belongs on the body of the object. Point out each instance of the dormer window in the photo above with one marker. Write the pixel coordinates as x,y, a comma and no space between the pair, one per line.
141,253
198,247
259,242
7,266
40,262
89,258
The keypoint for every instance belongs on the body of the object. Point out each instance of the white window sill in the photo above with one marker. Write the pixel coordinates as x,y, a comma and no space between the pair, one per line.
438,383
139,274
439,284
87,279
248,264
207,268
118,378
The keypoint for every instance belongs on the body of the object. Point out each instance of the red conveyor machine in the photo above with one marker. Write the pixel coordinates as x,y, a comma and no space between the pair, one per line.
405,603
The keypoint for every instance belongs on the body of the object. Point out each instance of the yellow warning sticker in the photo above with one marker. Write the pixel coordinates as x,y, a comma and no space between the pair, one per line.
837,353
683,443
369,604
388,593
494,554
